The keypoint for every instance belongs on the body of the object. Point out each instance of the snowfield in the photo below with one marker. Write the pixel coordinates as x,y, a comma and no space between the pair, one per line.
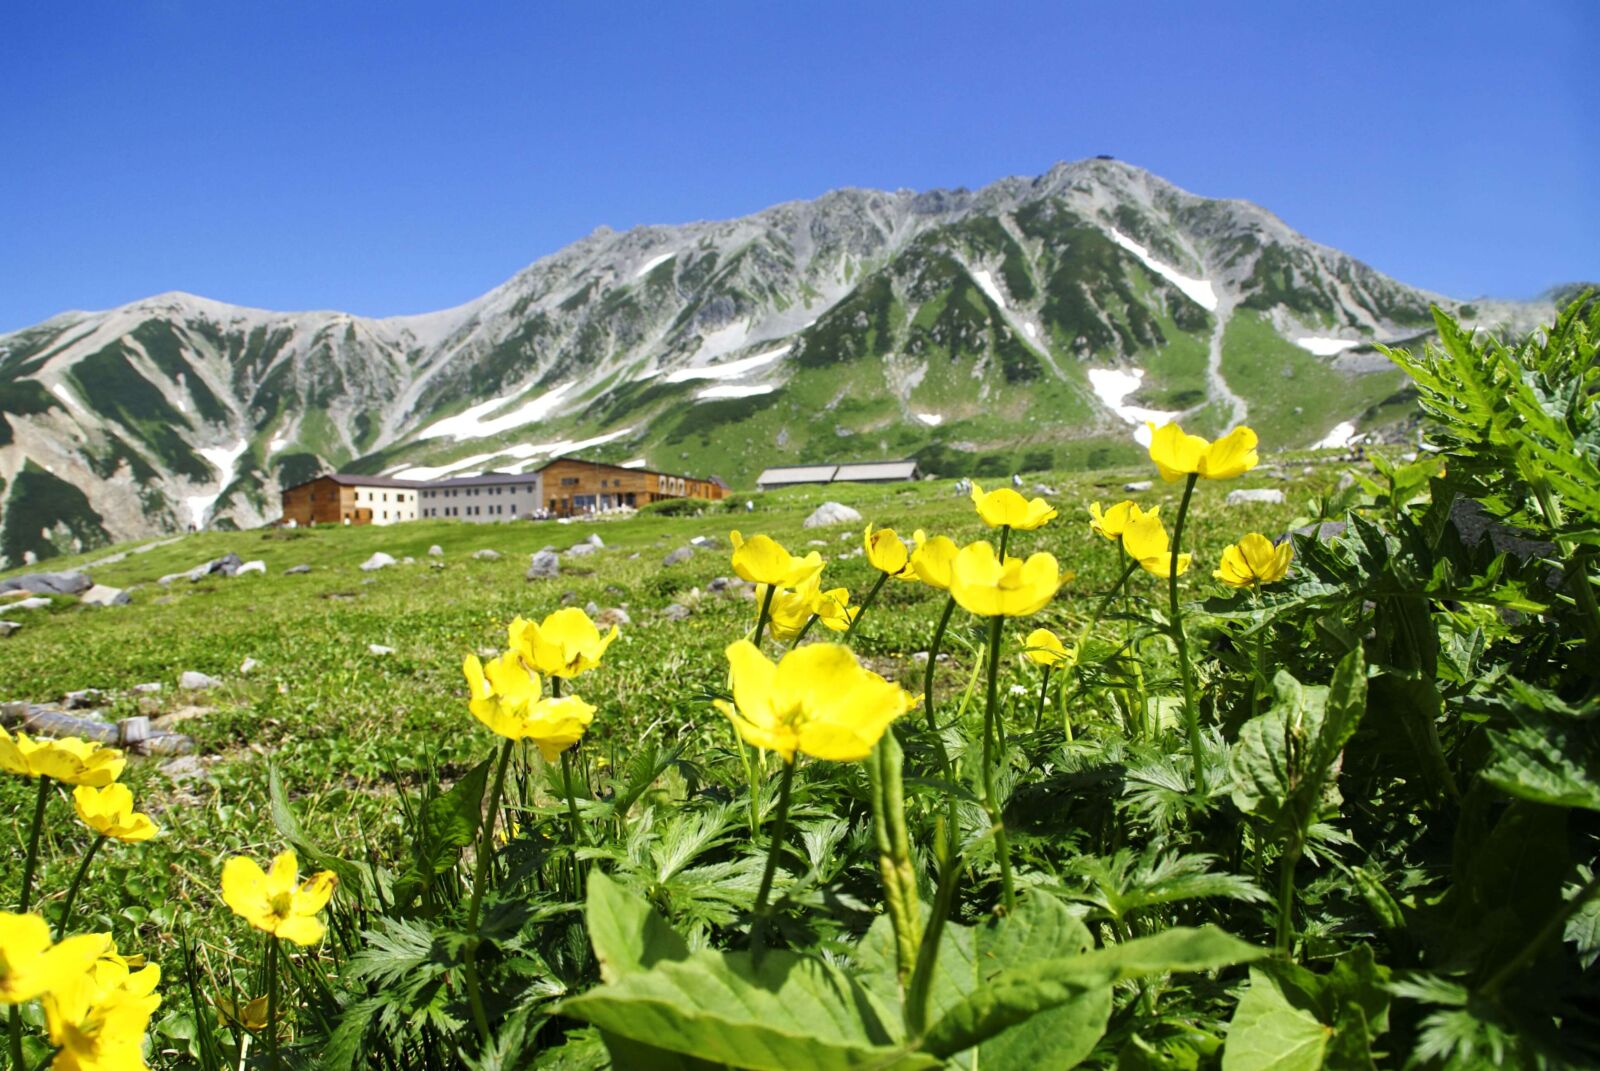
652,263
1113,385
1338,438
985,283
732,390
933,420
470,423
223,459
727,370
1325,347
1198,290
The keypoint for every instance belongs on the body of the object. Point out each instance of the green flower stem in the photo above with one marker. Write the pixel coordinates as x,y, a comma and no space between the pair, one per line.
572,798
779,826
480,884
1260,676
812,620
991,804
866,603
27,891
1129,565
765,615
1005,538
918,992
894,852
1044,690
1291,857
77,880
272,1002
1191,712
933,659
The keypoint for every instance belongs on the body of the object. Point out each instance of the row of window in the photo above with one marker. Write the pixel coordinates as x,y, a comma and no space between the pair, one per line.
494,509
494,489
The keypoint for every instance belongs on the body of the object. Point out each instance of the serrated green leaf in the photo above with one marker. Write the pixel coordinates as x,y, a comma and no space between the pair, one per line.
1268,1033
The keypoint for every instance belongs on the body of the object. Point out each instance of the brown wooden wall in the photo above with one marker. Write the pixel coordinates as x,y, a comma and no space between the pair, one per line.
323,501
574,486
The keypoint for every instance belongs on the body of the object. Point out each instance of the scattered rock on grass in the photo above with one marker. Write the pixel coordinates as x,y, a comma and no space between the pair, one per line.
705,542
597,542
380,649
296,570
1138,485
544,566
831,513
83,698
257,566
592,608
101,595
67,583
8,627
195,681
149,688
32,603
436,551
679,556
1269,495
486,555
675,612
612,615
579,550
378,561
248,666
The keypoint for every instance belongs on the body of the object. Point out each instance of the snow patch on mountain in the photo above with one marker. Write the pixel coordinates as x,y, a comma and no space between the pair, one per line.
733,390
636,463
651,264
1113,385
985,283
60,390
1197,290
933,420
728,369
1337,439
223,459
1325,347
470,423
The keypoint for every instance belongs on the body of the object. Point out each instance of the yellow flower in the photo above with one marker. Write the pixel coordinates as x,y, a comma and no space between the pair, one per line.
791,610
276,901
1111,523
932,559
1177,454
985,585
71,759
30,965
252,1015
763,560
1146,541
817,699
1254,560
1004,507
564,644
506,697
1044,648
109,812
98,1019
887,554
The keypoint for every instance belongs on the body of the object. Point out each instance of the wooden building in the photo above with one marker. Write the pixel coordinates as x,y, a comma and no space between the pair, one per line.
338,498
573,486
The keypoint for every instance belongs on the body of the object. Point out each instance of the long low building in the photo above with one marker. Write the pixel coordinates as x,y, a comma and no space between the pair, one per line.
846,472
565,487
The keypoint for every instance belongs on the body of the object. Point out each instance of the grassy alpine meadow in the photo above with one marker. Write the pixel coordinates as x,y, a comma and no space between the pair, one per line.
1071,776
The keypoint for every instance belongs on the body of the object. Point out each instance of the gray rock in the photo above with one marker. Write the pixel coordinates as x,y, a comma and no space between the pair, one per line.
1267,495
34,602
831,513
1138,485
1326,532
635,556
8,627
486,555
296,570
148,688
248,666
612,615
408,560
380,649
100,595
816,542
718,584
544,566
568,598
66,583
436,551
257,566
705,542
380,560
581,550
193,681
679,556
185,768
591,608
83,698
170,577
1043,489
675,612
597,542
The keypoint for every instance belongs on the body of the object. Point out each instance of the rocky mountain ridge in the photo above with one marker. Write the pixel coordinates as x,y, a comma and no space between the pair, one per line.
1030,323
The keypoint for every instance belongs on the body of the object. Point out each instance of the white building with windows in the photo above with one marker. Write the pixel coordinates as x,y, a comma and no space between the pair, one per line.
391,501
483,499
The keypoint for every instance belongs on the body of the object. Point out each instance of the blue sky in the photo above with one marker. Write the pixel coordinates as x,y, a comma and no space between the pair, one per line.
385,158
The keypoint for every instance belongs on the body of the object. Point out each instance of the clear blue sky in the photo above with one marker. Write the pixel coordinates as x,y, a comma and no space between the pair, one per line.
385,158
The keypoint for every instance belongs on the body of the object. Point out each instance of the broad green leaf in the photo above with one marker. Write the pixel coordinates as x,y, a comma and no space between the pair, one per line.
774,1012
1268,1033
1548,756
628,934
311,854
1013,995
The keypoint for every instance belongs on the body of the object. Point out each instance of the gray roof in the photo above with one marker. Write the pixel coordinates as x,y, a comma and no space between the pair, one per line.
797,474
350,479
877,470
490,480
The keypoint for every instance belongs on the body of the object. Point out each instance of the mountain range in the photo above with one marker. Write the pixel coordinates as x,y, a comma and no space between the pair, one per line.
1031,324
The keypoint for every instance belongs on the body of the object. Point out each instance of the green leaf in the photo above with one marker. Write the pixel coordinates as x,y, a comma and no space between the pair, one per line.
311,854
447,823
773,1013
628,934
1550,754
1268,1033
